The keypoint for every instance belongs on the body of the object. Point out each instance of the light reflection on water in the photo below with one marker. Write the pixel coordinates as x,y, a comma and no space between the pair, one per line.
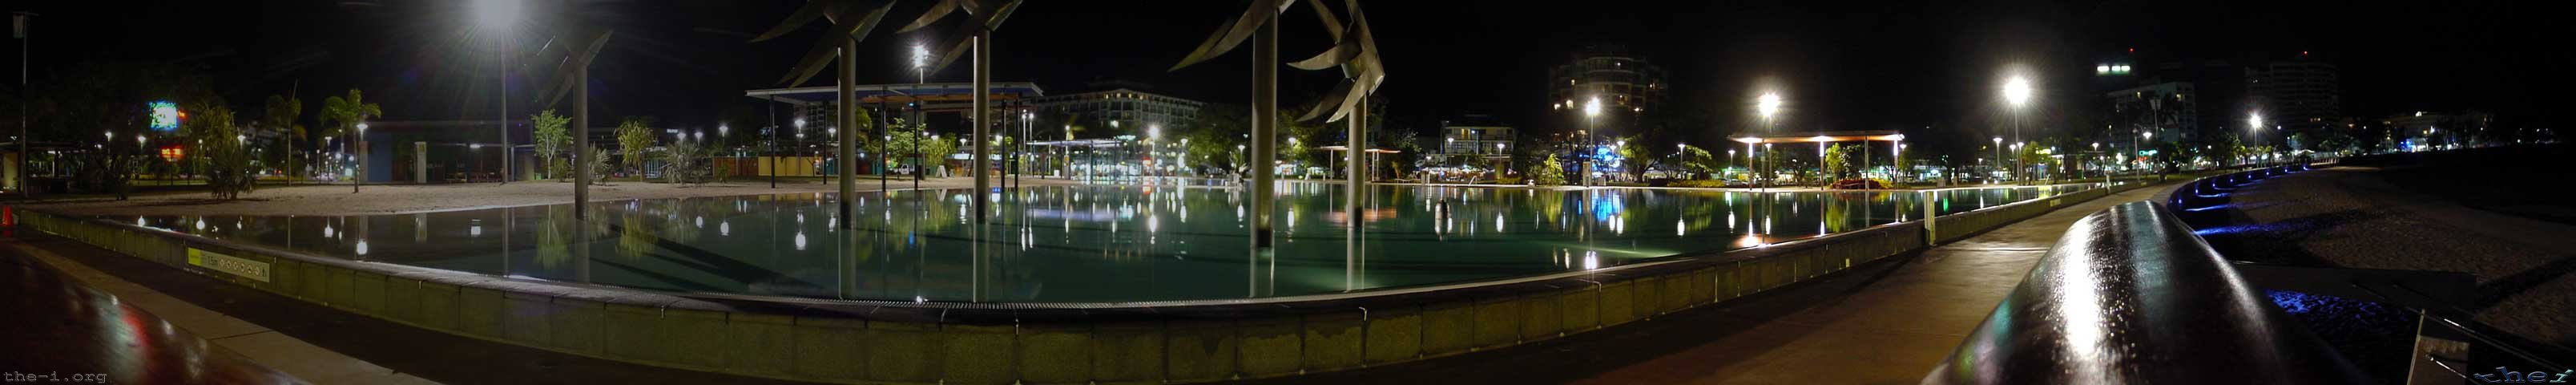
1083,243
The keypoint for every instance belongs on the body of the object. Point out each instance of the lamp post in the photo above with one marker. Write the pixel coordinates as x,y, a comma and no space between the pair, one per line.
498,15
361,178
1591,109
1769,104
1153,136
2017,92
24,191
2144,136
2254,128
1999,153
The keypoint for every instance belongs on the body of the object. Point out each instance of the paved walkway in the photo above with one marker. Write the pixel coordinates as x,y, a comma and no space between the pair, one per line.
217,332
1875,324
66,329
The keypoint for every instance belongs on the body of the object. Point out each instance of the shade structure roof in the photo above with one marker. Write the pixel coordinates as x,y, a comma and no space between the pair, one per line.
1347,148
1818,137
938,97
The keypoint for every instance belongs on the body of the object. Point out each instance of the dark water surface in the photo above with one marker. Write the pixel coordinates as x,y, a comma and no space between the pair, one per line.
1095,243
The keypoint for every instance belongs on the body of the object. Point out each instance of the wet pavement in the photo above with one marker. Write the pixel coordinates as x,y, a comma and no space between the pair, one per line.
58,331
1884,322
69,329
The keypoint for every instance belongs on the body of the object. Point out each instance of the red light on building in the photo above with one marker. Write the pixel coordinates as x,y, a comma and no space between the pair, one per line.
173,153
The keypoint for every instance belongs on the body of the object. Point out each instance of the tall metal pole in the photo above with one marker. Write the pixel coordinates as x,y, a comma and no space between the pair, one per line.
506,152
917,137
1763,175
773,141
1357,199
885,125
1590,140
361,178
983,42
24,191
848,108
1265,115
581,143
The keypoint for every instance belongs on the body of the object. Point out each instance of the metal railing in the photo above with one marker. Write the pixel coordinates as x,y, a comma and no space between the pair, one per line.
2131,295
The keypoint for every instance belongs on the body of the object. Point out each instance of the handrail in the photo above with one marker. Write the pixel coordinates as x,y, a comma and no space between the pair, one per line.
2130,295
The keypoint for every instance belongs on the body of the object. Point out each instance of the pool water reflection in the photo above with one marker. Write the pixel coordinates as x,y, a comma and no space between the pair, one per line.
1098,243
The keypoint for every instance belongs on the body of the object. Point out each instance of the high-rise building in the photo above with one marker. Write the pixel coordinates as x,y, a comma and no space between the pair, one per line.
1480,140
1623,81
2171,110
2298,94
2154,99
1125,106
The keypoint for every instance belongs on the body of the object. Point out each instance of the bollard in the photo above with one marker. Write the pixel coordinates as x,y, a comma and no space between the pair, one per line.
1931,226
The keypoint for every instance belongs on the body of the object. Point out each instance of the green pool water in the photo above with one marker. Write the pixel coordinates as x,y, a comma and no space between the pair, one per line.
1088,243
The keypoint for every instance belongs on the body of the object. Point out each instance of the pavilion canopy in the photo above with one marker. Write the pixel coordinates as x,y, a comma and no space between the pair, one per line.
939,97
1815,137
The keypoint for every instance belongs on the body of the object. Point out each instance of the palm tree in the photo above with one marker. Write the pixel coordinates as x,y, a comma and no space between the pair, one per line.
341,116
283,111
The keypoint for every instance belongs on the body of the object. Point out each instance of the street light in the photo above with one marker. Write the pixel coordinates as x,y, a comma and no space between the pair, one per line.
2017,92
499,15
1999,151
2254,127
1768,104
920,64
361,178
1591,109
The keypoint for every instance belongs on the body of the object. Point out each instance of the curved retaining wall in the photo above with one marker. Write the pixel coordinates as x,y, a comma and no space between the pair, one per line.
1040,343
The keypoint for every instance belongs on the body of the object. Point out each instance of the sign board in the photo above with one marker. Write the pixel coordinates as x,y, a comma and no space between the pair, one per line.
246,268
165,116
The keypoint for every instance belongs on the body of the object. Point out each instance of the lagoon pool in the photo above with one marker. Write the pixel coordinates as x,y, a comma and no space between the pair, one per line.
1086,243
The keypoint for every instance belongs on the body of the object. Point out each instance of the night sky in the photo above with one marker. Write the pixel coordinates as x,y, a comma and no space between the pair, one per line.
1842,65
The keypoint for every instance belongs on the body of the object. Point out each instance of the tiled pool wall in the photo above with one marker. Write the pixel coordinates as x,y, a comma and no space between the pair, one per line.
961,343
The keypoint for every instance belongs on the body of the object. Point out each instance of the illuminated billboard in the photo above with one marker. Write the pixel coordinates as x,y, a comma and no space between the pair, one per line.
165,116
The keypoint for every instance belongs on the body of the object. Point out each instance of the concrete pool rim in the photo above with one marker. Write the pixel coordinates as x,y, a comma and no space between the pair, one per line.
503,308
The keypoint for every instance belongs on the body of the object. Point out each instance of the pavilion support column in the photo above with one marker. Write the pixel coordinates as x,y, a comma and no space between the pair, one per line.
581,143
1356,166
983,42
849,130
885,133
1265,122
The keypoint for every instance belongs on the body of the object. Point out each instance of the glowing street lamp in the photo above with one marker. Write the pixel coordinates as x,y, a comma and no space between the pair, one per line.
1591,109
2017,93
920,59
1768,104
361,178
1999,151
498,16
